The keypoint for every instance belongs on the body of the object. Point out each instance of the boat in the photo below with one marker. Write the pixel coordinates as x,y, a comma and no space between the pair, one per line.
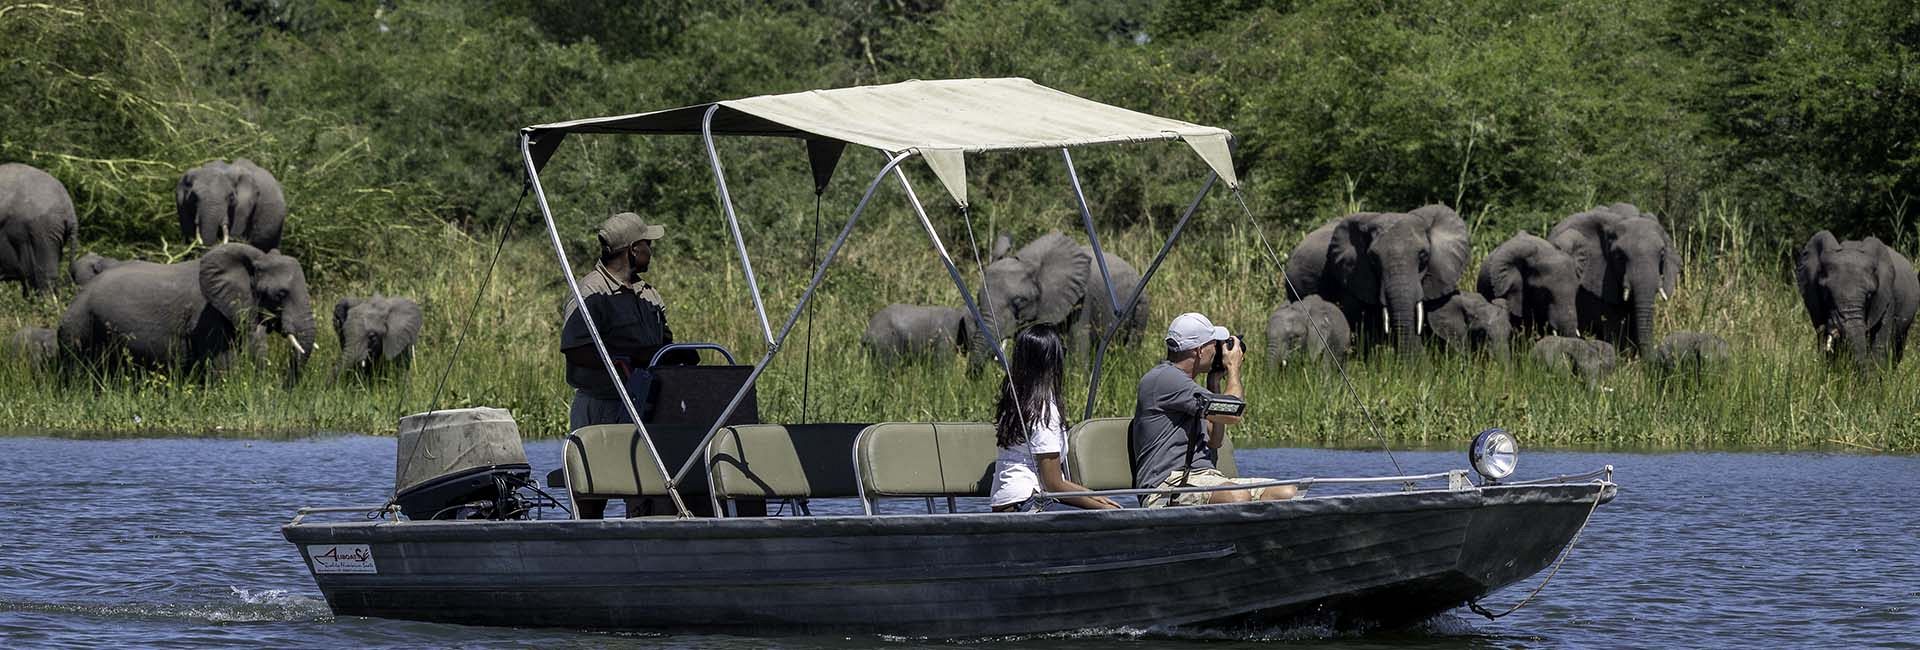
462,540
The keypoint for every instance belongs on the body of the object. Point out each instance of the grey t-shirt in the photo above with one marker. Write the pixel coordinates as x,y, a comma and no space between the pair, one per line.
1165,412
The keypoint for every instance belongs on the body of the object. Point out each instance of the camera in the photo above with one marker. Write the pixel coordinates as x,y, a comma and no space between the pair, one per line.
1220,352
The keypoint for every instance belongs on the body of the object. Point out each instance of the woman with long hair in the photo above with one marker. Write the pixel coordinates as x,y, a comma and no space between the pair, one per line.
1031,429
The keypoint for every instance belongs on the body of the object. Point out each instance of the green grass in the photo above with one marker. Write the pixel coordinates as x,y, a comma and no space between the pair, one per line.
1776,393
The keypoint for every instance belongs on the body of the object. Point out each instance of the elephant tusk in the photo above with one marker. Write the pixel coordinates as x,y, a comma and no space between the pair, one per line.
1829,342
1420,317
296,345
1626,294
1386,321
1663,294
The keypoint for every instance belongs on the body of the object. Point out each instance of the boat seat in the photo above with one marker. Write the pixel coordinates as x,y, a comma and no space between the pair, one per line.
925,459
775,461
1100,458
609,461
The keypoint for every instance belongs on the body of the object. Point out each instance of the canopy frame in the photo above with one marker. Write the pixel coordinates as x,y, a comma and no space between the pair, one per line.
824,154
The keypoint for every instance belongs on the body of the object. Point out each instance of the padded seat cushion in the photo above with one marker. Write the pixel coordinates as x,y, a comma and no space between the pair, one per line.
784,461
1098,455
928,458
609,460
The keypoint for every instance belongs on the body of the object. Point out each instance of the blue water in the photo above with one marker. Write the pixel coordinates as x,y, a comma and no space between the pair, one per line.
175,543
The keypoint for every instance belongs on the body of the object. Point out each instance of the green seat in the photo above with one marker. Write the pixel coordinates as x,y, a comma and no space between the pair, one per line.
609,461
773,461
1098,455
925,459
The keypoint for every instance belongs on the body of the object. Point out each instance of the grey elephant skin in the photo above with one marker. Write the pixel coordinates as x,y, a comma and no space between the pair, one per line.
1054,280
1626,262
376,333
1586,359
1689,353
37,345
238,201
1467,323
1538,283
1861,297
1383,269
191,314
89,266
36,222
1309,328
900,332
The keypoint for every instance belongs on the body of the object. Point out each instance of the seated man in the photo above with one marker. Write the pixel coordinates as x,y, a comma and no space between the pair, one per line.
1173,446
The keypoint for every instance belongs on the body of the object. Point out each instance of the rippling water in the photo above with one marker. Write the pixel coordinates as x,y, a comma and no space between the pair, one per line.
176,543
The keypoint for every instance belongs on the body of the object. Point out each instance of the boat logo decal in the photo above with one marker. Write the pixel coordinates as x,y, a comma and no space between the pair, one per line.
341,558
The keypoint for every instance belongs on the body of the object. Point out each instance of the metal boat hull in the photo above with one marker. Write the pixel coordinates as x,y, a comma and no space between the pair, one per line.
1376,558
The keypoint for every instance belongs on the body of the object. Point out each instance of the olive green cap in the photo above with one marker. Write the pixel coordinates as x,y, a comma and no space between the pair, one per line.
622,230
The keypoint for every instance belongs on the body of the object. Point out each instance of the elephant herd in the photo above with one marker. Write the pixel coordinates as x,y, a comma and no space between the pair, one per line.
1575,299
240,294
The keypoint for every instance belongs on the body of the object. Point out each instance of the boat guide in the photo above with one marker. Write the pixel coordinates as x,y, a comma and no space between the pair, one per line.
468,535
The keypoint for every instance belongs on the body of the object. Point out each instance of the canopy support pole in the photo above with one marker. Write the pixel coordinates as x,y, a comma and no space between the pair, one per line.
966,297
1086,218
586,316
773,348
733,222
1100,354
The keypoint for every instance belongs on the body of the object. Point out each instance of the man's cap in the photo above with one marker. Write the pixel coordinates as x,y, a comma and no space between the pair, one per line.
1191,330
622,230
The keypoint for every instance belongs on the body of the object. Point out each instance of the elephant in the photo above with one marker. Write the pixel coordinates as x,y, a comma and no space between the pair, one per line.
1626,260
218,202
192,314
1690,353
1539,283
1310,325
1468,323
912,331
1586,359
376,331
1383,269
1861,295
90,266
36,222
1054,280
37,345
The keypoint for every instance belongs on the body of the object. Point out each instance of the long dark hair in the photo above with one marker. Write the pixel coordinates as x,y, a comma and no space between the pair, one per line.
1039,358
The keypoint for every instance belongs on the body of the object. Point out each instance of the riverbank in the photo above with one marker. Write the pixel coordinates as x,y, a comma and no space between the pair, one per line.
1775,394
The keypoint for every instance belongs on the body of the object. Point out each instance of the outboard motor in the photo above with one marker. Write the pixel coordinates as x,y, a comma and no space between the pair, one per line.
460,464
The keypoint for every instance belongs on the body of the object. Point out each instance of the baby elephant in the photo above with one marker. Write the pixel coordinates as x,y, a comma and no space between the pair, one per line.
35,344
1587,359
1689,352
376,331
1467,324
90,265
1310,325
907,331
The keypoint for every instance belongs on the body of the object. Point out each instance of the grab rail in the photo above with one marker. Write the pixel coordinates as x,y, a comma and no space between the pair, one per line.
1456,480
670,347
1605,474
383,511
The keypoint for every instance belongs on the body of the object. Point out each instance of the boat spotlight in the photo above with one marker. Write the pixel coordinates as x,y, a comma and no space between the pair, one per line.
1494,454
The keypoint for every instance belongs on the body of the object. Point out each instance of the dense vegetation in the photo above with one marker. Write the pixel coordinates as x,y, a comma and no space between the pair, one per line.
1747,126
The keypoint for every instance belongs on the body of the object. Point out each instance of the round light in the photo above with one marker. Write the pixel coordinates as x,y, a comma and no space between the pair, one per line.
1494,454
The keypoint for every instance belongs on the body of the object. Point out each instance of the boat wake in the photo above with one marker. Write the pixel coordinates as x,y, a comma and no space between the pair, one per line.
264,606
1441,626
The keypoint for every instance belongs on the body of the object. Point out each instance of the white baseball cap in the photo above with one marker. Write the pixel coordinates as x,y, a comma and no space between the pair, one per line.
1191,330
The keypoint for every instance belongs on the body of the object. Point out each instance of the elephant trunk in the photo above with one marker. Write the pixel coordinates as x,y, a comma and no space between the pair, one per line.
980,345
1645,289
1561,318
296,321
1854,328
1404,319
210,219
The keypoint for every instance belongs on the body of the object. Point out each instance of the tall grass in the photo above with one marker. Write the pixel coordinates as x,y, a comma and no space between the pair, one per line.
1775,393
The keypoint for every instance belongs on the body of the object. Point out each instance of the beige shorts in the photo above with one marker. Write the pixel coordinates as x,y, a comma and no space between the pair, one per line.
1198,478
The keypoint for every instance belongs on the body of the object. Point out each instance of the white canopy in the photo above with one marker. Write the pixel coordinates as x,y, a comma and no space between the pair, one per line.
941,120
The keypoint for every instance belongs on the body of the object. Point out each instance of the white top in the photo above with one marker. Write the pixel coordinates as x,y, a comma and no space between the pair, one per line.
1014,477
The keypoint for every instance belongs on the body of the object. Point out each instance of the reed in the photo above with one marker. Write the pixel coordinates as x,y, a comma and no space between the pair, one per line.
1776,393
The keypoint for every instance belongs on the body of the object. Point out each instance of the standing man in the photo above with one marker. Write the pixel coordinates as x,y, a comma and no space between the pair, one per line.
1173,446
629,313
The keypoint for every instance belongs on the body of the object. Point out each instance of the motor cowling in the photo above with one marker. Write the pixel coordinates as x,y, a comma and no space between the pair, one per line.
459,463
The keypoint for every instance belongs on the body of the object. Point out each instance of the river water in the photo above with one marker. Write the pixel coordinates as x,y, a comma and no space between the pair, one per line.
173,542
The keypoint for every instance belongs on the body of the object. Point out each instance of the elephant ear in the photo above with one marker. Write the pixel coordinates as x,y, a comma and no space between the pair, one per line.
226,279
1307,273
1806,275
340,311
1582,236
246,196
403,327
1001,244
1501,275
1060,270
1346,256
1447,250
963,326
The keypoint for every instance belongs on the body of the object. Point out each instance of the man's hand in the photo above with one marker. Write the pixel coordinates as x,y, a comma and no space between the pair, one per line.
1235,352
